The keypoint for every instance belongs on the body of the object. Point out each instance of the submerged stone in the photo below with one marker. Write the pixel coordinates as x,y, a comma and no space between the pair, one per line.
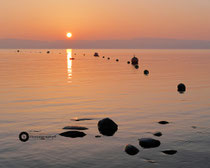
163,122
181,88
73,134
170,152
75,128
131,150
107,127
149,143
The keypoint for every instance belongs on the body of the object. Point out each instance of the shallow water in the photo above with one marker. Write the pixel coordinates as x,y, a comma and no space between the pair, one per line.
41,93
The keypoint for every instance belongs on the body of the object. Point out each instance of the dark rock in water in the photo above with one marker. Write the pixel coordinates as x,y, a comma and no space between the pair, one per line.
131,150
134,60
107,127
117,60
128,62
136,66
194,127
73,134
163,122
103,57
81,119
75,128
181,88
158,134
18,50
75,54
48,52
149,143
170,152
108,58
96,54
146,72
98,136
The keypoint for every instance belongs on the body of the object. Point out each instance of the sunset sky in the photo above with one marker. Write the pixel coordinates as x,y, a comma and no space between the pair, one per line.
102,19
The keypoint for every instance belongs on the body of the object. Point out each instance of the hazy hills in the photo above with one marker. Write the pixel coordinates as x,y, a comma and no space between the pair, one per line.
143,43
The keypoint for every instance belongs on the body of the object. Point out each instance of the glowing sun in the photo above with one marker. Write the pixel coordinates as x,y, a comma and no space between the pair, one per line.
69,35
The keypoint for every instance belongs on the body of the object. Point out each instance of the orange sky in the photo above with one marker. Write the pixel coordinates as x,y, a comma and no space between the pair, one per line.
102,19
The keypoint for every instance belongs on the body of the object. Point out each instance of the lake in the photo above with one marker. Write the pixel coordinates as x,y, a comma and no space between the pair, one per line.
42,93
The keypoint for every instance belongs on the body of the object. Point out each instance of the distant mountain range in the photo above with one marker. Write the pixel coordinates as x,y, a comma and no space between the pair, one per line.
142,43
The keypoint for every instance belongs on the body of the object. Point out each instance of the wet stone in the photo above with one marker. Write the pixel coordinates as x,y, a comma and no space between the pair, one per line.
158,134
163,122
131,150
73,134
149,143
107,127
170,152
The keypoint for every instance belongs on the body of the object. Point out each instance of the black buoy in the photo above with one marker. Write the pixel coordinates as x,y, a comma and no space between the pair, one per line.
128,62
137,66
134,60
146,72
48,52
117,60
181,88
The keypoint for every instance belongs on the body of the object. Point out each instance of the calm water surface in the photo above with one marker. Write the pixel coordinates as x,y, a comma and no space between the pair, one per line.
43,92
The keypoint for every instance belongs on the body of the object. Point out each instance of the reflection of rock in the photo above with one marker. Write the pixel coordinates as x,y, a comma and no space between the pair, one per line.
75,128
131,150
163,122
146,72
81,119
149,143
107,127
170,152
157,134
181,88
73,134
134,60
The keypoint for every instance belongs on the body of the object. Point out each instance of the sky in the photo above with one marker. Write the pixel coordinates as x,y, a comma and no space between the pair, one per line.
50,20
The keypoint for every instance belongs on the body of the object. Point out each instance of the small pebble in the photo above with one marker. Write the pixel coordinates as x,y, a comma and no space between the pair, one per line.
158,134
131,150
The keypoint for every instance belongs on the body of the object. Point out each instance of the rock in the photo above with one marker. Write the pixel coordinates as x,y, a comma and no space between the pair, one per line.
134,60
146,72
158,134
149,143
107,127
18,50
81,119
131,150
96,54
108,58
117,60
128,62
83,54
103,57
73,134
181,88
48,52
98,136
170,152
163,122
75,128
136,66
72,58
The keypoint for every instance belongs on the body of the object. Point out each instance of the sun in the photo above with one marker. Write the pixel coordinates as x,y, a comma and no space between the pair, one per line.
68,35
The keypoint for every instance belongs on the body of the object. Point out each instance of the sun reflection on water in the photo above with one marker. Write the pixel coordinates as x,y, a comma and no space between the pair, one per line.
69,64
